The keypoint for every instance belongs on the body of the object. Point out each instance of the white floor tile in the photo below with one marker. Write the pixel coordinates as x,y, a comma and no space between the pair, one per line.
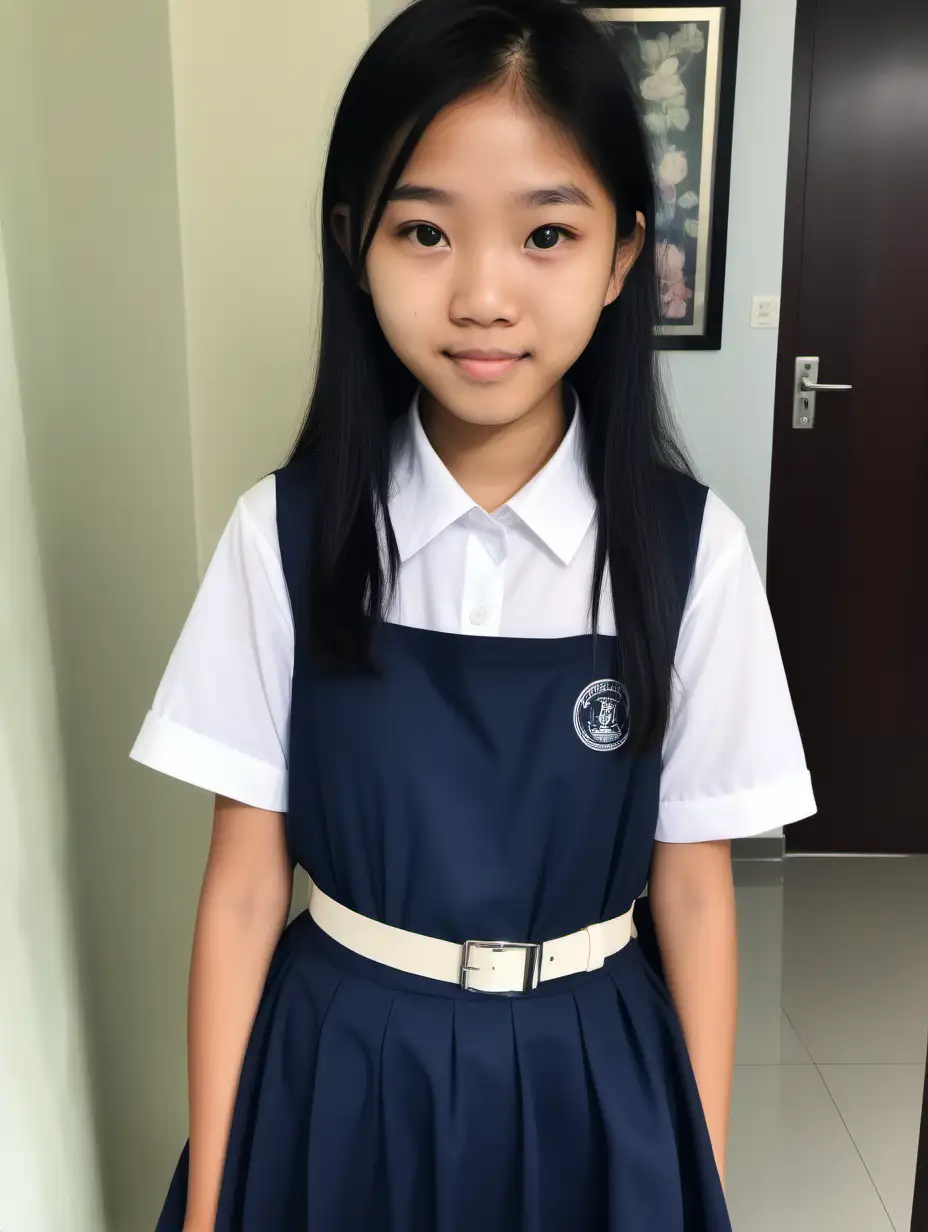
881,1106
765,1034
833,970
792,1166
760,974
855,958
758,1045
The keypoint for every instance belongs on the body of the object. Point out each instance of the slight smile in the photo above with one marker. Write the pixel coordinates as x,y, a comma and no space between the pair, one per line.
486,365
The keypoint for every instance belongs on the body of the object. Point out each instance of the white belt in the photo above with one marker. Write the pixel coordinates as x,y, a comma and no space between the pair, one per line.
481,966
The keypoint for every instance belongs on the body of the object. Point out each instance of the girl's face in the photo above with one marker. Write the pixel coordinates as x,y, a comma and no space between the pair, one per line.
493,259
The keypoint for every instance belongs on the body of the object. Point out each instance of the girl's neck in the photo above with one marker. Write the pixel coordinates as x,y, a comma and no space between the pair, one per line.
494,462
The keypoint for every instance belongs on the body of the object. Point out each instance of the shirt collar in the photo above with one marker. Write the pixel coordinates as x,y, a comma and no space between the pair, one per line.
556,505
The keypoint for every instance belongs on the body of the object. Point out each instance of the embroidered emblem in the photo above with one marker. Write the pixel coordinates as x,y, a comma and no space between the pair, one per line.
601,715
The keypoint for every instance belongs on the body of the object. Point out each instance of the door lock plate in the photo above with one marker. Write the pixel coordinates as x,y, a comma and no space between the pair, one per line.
803,400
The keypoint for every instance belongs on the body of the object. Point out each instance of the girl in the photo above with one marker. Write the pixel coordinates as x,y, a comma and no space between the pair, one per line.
484,659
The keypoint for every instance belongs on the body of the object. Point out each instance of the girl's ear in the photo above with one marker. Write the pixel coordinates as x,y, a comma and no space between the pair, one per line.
340,222
627,254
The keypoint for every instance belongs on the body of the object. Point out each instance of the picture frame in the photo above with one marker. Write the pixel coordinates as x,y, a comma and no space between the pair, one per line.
682,58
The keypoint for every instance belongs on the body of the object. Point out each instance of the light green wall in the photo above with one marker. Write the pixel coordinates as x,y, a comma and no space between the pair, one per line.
255,90
382,10
96,293
45,1114
159,170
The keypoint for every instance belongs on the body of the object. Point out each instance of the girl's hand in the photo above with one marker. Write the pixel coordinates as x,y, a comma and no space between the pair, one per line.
242,912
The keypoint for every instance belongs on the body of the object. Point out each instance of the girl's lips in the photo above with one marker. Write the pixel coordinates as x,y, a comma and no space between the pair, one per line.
485,369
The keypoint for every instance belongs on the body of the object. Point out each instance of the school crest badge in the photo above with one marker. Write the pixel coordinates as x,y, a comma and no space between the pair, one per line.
601,715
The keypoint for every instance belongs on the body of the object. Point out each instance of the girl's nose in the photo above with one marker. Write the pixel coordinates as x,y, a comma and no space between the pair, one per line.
483,290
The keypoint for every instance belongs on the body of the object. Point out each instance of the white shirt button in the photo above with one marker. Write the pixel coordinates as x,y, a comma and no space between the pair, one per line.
478,615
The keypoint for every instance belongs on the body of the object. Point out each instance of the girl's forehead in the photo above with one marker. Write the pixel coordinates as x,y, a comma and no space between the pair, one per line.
493,135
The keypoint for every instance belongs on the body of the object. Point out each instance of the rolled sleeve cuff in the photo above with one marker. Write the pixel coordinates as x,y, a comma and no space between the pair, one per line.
184,754
738,815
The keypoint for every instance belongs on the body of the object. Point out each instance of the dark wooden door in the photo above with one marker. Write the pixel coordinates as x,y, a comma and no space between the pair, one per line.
847,568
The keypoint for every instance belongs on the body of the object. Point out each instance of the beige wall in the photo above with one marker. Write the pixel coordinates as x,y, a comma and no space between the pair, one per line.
158,186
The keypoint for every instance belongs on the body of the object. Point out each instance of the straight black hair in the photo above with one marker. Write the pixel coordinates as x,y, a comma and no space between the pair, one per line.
569,67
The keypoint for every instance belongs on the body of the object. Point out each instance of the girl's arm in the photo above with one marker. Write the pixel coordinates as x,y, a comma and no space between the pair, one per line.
692,898
242,911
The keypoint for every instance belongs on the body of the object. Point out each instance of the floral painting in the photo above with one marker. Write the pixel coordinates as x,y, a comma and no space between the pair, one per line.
681,59
671,63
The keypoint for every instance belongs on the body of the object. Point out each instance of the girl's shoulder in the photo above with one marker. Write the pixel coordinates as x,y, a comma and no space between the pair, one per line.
277,502
219,716
708,541
713,527
723,537
257,507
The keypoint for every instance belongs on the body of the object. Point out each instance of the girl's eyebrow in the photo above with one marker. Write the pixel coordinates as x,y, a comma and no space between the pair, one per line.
560,194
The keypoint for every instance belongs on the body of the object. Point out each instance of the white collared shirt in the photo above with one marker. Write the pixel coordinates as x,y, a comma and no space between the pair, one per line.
464,570
733,759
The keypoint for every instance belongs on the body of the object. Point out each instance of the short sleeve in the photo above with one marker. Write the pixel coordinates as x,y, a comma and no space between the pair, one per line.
220,718
733,759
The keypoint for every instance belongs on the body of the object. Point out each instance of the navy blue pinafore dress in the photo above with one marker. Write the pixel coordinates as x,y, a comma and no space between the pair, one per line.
454,796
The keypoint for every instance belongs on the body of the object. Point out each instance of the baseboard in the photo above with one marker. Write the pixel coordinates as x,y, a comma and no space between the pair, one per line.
771,847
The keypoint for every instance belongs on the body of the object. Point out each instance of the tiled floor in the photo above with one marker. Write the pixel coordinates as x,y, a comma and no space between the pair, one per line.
831,1049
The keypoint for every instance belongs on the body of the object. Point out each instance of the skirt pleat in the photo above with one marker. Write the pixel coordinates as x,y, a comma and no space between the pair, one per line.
374,1100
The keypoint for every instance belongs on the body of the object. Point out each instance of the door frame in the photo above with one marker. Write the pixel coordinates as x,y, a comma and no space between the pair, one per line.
791,281
788,341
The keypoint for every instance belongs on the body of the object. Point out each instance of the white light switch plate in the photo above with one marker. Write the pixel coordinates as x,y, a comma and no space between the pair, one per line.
765,312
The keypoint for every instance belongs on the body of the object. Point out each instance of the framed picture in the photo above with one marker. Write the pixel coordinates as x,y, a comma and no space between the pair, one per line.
682,58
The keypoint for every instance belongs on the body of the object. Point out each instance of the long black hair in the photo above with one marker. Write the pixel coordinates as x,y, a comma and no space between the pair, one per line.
570,68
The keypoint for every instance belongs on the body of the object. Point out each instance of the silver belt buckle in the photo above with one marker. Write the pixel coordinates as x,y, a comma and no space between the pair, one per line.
532,954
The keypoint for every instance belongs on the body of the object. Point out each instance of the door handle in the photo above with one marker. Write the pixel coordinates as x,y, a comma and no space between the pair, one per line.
805,387
811,387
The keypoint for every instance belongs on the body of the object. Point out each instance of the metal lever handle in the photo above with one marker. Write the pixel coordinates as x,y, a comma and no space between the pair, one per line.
813,387
805,387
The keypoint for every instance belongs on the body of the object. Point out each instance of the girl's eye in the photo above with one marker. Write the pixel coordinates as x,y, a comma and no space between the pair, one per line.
547,237
426,235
